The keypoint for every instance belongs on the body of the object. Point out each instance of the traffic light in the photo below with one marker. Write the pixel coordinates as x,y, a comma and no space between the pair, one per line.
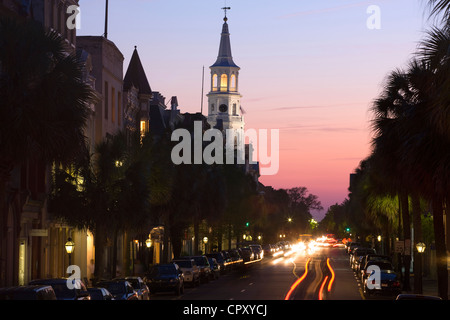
347,229
247,224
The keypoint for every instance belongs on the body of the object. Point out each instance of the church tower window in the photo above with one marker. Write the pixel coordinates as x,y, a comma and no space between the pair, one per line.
215,82
233,83
224,82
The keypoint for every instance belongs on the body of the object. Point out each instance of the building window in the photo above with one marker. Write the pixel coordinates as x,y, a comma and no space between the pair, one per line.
233,83
212,107
224,82
113,105
234,109
214,82
106,99
119,108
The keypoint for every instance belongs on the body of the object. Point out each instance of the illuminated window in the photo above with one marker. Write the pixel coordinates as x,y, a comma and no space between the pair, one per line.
215,83
223,82
143,127
233,83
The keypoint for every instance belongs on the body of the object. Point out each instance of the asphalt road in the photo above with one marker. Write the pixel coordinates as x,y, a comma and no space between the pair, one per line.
299,275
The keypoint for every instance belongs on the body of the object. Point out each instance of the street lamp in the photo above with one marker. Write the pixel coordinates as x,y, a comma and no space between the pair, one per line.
205,241
148,242
70,246
421,247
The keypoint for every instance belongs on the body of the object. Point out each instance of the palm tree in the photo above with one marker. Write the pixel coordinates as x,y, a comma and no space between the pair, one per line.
43,101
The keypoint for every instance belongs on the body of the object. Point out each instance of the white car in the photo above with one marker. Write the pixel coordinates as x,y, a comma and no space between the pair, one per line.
190,270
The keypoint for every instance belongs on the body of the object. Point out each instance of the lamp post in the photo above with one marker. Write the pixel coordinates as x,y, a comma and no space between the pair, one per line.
70,246
418,277
205,241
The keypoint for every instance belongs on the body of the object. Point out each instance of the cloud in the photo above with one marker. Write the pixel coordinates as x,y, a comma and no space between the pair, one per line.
326,10
321,106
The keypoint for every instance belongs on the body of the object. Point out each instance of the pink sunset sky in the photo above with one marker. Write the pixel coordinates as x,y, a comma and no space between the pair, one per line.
308,68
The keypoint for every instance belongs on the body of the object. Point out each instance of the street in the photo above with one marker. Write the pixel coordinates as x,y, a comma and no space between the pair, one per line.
282,278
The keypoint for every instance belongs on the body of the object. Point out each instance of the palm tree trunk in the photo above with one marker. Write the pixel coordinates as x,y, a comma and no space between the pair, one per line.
441,250
417,223
406,236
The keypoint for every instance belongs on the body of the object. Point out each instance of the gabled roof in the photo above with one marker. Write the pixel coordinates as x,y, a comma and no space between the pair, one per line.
225,59
135,75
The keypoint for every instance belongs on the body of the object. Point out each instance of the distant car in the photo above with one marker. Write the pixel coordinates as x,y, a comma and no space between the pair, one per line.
165,278
139,286
351,246
219,256
215,268
257,250
357,253
98,293
269,250
339,244
246,254
236,258
31,292
190,270
120,289
62,291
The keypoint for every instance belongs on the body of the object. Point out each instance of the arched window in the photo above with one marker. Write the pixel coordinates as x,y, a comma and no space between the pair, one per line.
224,82
233,83
214,82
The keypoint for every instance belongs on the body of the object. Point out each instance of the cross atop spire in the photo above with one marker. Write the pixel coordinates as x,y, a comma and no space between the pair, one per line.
225,10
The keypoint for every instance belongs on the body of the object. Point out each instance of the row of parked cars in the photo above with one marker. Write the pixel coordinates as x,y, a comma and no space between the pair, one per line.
365,262
170,277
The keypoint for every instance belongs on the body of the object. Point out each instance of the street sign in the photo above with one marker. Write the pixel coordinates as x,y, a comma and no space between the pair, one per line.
399,247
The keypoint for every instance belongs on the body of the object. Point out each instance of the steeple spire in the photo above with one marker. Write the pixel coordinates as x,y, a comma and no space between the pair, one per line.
225,58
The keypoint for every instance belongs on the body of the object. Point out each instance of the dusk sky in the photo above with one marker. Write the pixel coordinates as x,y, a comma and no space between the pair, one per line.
308,68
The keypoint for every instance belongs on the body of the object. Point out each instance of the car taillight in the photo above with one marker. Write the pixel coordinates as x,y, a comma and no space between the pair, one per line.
396,284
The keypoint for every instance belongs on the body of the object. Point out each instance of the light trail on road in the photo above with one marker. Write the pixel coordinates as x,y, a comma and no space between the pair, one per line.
298,281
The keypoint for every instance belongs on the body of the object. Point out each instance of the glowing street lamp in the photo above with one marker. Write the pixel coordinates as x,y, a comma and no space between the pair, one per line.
70,246
421,247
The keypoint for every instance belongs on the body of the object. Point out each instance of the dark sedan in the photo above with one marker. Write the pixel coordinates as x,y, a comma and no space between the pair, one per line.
62,290
165,278
120,289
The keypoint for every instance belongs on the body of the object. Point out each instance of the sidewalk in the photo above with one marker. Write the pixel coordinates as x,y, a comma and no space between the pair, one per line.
429,286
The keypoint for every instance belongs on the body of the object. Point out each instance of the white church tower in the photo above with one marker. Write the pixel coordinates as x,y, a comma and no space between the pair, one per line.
224,99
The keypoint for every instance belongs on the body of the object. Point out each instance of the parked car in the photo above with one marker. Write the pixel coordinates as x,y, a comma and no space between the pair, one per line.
62,291
357,253
120,289
31,292
215,268
139,286
390,284
257,251
247,254
190,270
236,258
351,246
370,257
165,278
99,293
203,264
269,250
219,256
382,264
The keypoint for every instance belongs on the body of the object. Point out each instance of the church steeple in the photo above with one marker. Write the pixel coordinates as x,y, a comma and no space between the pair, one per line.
224,98
225,58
